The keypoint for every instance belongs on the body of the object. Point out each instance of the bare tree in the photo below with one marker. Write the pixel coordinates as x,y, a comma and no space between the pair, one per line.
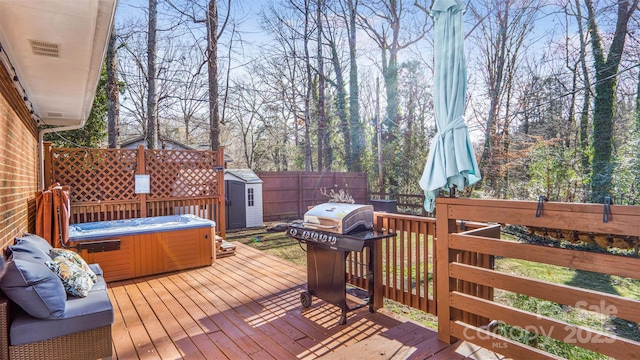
322,132
191,97
214,31
355,123
152,99
351,125
308,163
341,91
503,27
393,26
132,70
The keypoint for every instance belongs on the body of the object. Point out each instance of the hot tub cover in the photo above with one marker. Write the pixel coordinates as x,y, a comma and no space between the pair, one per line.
102,229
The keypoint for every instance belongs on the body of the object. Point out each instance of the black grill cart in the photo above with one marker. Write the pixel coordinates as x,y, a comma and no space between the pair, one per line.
327,257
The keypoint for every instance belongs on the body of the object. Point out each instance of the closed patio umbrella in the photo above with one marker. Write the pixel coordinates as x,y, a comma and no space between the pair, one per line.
451,161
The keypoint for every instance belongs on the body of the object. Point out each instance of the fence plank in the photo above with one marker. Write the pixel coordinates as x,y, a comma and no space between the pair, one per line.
625,308
623,219
582,260
542,325
497,343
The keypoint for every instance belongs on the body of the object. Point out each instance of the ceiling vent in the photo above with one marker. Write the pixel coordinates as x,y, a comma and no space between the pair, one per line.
45,48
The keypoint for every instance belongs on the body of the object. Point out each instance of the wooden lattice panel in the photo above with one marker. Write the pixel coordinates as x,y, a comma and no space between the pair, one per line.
96,175
182,174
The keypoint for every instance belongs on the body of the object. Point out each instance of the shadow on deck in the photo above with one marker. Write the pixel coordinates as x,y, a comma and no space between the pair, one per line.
247,307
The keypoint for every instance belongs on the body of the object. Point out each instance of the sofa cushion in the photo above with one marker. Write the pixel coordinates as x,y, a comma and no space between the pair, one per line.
96,269
75,258
81,314
29,283
76,281
38,247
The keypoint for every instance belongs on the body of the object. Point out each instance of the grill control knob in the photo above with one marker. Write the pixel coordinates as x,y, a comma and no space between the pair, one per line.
333,240
293,232
315,236
324,238
306,234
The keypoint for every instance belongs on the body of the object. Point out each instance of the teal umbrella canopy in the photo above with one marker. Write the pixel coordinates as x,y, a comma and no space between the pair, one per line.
451,160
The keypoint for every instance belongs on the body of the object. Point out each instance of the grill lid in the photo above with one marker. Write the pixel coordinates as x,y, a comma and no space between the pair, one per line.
339,218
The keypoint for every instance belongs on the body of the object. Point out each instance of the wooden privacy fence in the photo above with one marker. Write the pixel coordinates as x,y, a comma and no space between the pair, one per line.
287,194
454,275
102,182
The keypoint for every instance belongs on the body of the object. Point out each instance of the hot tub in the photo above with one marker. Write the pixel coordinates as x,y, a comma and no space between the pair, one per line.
138,247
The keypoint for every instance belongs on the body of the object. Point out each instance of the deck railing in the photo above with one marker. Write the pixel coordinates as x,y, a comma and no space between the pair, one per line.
408,263
454,275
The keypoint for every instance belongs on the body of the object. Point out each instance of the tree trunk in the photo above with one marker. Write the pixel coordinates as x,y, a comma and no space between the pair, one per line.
321,119
152,97
113,92
586,102
308,166
497,69
391,85
341,104
604,103
357,128
212,61
379,138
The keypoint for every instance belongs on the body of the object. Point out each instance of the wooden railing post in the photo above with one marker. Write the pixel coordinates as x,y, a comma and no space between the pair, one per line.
444,227
141,170
221,222
378,295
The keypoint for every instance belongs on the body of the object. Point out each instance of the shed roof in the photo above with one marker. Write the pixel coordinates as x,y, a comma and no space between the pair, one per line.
246,175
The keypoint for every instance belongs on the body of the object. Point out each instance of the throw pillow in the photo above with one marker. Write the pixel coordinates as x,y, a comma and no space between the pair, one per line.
75,258
75,280
29,283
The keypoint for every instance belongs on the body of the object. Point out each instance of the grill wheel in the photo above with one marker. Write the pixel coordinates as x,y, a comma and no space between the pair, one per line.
305,299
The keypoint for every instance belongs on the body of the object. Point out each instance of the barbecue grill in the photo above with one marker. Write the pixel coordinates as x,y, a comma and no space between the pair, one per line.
331,232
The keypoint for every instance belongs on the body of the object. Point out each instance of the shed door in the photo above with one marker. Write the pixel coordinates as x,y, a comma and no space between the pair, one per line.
235,206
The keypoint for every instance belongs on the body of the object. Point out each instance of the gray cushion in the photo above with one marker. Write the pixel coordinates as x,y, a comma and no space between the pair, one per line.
96,269
29,283
34,243
100,285
81,314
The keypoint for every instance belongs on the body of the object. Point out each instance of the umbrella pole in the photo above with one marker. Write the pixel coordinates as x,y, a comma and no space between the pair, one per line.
452,191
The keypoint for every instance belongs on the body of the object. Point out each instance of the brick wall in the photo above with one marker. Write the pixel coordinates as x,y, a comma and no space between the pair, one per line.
19,169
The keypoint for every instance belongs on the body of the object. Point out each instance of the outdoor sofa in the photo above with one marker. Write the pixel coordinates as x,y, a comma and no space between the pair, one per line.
39,319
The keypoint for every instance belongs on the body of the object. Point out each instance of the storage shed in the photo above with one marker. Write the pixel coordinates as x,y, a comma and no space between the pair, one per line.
243,195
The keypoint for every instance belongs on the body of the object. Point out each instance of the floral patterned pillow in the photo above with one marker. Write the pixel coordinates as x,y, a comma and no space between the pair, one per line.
75,280
74,258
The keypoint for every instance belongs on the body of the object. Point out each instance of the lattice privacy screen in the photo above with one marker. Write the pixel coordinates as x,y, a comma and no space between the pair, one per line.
97,175
182,174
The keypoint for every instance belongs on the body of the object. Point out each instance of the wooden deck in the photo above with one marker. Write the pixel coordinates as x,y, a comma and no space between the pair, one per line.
247,307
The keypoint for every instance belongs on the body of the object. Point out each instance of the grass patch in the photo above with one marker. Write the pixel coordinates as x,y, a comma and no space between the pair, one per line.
274,243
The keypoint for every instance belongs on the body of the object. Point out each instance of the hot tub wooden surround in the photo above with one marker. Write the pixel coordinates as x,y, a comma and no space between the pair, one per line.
154,250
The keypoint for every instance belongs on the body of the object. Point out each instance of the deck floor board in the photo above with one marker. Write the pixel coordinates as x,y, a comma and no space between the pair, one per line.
247,306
